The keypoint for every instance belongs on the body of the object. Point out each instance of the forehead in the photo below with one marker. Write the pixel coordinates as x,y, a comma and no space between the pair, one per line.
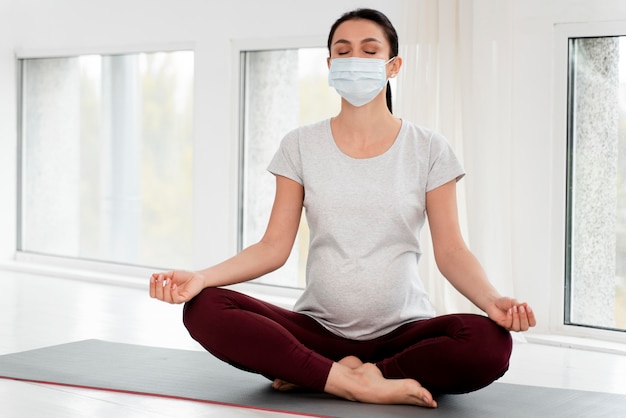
355,30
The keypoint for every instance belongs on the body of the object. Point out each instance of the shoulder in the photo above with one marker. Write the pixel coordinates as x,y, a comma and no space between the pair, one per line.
421,133
420,139
426,140
307,132
306,138
312,129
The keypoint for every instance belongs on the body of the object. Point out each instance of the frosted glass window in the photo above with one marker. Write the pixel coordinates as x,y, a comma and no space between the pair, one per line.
106,158
596,262
282,89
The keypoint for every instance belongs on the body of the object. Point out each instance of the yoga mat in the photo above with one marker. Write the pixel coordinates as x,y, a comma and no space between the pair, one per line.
196,375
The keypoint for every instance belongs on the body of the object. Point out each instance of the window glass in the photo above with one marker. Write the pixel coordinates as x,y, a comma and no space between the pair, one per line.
282,89
596,250
106,157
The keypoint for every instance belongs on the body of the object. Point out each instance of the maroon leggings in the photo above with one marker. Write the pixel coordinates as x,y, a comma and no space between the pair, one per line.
447,354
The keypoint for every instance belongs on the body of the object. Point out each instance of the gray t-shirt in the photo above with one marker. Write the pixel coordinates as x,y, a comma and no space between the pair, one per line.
365,217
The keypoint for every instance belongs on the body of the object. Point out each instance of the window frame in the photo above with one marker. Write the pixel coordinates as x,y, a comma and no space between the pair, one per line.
127,275
284,296
561,172
57,265
240,48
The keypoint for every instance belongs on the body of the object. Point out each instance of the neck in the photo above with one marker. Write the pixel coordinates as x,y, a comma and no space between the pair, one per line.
366,131
367,121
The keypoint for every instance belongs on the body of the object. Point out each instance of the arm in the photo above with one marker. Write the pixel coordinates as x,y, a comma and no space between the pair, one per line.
270,253
462,268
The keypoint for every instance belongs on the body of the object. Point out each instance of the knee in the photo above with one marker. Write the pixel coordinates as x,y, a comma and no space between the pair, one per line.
489,339
491,347
497,346
201,311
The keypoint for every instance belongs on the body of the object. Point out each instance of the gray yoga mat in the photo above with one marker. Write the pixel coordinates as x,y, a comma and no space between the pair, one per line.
199,376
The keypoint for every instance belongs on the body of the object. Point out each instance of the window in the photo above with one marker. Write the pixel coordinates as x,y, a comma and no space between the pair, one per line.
106,157
281,90
596,201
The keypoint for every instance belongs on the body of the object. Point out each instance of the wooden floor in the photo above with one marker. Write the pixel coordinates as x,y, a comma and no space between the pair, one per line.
38,311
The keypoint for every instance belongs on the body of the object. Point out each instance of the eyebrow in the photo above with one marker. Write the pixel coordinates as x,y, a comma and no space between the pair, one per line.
364,41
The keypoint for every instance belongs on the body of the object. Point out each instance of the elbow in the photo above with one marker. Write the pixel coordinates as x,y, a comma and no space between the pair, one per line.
276,255
278,261
445,259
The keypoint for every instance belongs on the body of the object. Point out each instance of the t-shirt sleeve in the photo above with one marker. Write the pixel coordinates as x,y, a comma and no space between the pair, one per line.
444,164
287,161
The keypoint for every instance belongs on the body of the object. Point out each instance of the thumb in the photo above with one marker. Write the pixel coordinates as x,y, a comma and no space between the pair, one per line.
180,295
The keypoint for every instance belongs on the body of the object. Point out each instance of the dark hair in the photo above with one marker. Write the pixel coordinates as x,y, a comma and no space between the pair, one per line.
381,20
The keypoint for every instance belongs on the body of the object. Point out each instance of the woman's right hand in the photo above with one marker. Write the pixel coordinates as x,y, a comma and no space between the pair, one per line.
177,286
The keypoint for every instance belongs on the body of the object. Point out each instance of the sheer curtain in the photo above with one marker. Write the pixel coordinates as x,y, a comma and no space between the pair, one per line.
456,79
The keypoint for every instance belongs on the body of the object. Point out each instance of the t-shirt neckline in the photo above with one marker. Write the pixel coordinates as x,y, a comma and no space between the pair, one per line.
388,151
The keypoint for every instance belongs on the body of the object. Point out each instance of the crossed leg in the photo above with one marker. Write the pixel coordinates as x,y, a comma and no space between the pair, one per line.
286,346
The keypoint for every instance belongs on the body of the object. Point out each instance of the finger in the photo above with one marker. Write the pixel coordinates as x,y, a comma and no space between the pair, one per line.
523,318
176,297
159,286
167,290
152,286
532,321
515,326
171,292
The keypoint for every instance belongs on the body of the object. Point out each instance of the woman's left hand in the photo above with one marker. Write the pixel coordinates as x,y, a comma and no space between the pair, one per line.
511,315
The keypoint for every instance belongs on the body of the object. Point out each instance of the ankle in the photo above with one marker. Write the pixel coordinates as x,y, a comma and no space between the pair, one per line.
344,382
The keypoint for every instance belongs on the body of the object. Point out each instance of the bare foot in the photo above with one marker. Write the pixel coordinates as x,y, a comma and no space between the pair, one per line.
283,386
351,362
365,383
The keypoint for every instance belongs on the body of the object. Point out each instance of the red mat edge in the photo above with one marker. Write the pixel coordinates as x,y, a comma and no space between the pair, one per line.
158,395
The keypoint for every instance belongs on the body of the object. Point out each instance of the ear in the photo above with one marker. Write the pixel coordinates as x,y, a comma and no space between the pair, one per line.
328,62
396,64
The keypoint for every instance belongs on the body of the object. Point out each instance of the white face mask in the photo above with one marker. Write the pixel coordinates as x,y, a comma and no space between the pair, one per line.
358,80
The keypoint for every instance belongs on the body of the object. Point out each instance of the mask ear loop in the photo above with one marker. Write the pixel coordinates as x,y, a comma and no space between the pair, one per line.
392,75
